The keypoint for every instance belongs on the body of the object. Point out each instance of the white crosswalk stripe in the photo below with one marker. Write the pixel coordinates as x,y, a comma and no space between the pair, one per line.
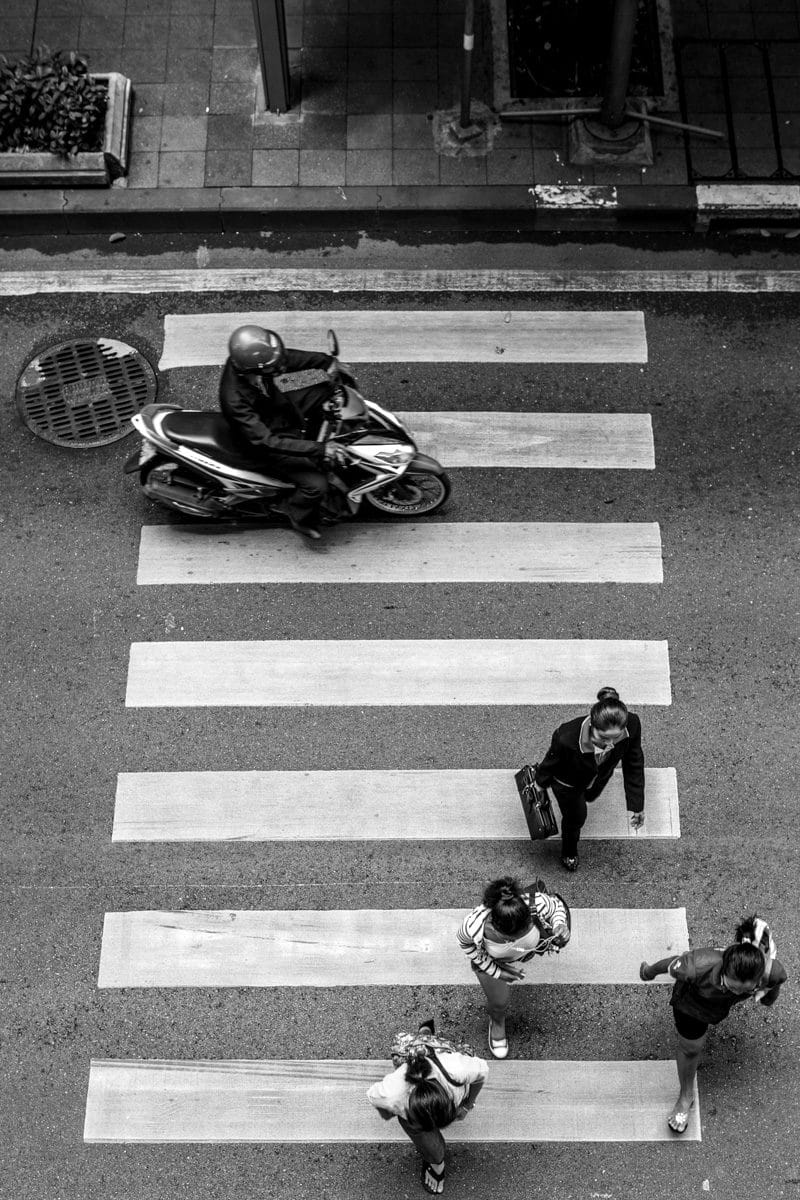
576,441
361,947
392,672
260,806
427,335
306,1100
389,552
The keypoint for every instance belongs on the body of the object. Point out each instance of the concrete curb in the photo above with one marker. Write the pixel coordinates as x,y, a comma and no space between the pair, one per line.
465,208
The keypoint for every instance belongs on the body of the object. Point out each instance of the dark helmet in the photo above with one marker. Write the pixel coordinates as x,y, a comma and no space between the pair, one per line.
255,349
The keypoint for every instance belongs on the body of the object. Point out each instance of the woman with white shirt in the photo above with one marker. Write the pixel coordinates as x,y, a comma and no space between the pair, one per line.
513,925
582,756
427,1092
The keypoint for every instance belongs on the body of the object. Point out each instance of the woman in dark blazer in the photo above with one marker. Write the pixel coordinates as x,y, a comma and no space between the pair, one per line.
581,760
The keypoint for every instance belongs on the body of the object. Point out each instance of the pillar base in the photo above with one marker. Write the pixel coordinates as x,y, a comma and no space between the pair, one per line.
592,144
455,140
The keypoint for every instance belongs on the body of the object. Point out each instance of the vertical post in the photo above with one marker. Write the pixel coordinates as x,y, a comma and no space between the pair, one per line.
273,53
615,92
466,67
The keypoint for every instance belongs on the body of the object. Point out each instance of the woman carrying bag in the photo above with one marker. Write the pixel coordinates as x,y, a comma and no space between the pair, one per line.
435,1082
581,760
514,924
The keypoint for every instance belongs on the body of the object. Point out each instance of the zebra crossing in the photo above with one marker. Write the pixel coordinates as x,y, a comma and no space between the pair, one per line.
393,672
409,335
267,1100
364,947
345,806
382,552
308,1100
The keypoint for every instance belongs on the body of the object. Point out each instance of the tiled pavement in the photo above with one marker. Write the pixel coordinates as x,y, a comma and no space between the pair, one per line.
368,74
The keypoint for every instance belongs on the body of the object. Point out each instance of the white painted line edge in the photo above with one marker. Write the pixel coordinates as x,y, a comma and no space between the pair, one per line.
223,280
342,806
324,1101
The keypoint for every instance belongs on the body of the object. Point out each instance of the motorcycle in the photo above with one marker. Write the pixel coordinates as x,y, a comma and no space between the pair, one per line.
189,461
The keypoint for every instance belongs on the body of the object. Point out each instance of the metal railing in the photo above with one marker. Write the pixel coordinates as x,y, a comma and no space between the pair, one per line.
769,118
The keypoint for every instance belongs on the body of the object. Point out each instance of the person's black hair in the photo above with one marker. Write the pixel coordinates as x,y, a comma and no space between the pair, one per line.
609,712
511,913
743,962
429,1105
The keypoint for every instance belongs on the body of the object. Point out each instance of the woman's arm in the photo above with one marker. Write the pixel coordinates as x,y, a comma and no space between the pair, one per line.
548,765
633,768
470,939
467,1105
648,971
772,989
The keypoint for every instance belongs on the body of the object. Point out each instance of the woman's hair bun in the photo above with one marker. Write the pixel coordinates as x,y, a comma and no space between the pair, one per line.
608,693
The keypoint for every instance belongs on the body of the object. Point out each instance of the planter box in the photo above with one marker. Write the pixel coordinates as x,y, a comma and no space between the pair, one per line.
96,169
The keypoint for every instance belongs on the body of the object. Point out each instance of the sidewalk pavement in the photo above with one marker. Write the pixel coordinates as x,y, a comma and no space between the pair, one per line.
358,145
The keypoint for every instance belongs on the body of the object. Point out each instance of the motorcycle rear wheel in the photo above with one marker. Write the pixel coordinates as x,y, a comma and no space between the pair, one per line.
415,494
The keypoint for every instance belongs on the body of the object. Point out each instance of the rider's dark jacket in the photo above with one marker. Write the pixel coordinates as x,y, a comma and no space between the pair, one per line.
271,421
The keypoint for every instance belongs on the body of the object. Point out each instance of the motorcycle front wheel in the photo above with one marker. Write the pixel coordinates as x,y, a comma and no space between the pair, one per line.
415,494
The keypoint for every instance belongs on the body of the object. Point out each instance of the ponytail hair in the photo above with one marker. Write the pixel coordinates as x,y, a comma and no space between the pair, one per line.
511,912
756,931
609,712
430,1106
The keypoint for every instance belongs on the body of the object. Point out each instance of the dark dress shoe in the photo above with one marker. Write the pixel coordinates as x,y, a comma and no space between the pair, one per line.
568,863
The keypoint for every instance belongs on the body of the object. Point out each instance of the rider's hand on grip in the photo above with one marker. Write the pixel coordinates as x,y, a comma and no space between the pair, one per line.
335,455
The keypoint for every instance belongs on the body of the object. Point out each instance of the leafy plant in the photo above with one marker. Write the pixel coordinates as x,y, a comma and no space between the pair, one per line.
48,101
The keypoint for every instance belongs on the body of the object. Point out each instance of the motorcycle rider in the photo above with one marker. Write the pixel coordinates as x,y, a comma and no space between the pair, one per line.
275,425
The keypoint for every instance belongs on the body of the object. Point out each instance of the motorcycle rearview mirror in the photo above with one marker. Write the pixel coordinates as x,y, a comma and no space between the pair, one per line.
333,344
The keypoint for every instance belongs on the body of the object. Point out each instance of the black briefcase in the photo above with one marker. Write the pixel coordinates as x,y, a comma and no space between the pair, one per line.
536,804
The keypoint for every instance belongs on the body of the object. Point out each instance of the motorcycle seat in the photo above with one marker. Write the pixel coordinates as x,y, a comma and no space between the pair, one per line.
210,433
206,431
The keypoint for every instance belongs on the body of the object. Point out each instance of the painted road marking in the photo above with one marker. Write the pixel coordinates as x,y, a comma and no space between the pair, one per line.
393,671
390,552
580,441
362,948
133,281
308,1100
343,806
427,335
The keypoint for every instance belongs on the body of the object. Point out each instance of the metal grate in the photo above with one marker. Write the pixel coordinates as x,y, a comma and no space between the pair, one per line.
748,89
83,393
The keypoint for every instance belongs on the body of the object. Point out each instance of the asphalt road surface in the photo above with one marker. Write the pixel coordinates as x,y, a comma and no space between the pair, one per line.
720,383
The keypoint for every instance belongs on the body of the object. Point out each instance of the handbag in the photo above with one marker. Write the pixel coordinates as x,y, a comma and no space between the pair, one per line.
407,1045
536,804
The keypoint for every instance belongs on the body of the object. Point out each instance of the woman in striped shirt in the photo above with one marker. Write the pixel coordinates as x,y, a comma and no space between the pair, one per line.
513,924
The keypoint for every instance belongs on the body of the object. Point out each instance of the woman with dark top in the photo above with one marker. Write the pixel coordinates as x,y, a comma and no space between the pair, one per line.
708,984
427,1092
512,925
581,760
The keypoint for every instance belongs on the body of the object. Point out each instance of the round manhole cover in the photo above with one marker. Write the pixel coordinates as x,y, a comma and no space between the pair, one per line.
84,393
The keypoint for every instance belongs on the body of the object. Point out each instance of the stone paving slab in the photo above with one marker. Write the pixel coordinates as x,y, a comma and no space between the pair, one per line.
368,76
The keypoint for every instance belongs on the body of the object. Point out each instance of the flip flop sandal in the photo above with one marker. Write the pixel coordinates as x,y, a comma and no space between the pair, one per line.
431,1181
